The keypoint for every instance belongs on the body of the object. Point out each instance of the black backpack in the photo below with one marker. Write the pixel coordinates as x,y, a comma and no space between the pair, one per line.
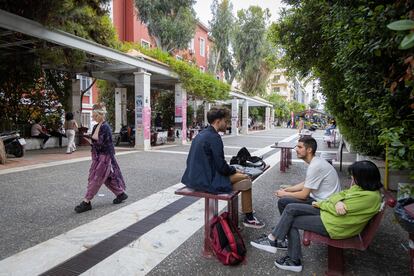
244,158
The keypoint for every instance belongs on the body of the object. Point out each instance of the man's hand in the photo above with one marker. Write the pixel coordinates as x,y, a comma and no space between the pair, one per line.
340,208
315,204
281,193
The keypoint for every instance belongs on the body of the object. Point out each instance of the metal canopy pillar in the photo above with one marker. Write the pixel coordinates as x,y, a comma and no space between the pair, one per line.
74,100
267,118
245,116
142,110
235,117
120,108
207,107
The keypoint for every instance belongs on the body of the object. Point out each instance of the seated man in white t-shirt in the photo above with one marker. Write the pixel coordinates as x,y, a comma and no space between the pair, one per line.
321,179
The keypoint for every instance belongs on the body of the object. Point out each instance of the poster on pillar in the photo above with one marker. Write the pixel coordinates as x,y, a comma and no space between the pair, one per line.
138,109
147,122
184,118
178,108
234,112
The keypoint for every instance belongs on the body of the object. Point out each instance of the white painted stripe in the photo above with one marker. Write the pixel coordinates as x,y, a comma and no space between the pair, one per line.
142,255
238,147
56,163
48,254
334,162
263,136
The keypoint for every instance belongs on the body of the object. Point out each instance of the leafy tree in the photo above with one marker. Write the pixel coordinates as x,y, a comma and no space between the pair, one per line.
222,29
314,104
362,73
250,48
197,83
27,89
170,22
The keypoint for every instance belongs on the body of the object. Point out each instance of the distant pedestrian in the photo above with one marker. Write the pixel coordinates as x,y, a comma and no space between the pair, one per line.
70,128
301,125
104,168
37,131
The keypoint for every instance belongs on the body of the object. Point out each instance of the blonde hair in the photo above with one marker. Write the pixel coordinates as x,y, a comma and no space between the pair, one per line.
99,109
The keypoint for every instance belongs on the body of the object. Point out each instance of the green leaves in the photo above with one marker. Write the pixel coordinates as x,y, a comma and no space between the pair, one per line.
407,42
401,25
203,85
404,25
170,22
349,48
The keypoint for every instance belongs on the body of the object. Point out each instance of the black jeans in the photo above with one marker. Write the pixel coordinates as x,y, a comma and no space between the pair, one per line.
43,136
298,216
284,201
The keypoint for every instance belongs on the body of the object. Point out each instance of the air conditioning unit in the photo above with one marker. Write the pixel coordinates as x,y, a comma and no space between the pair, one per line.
191,51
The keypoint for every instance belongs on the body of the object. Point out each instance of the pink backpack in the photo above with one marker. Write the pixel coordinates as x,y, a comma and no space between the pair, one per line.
226,241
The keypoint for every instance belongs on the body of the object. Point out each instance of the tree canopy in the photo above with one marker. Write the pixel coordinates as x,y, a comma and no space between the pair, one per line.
222,30
366,79
171,22
28,88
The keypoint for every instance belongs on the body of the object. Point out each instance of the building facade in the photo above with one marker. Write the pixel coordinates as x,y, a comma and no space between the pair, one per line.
130,29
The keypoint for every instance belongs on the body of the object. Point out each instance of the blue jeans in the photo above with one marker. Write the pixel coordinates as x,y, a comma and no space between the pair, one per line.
298,216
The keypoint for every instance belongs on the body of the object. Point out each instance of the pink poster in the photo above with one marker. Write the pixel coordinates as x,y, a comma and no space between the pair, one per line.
147,122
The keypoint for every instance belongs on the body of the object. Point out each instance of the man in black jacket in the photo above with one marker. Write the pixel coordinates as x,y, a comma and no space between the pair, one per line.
208,171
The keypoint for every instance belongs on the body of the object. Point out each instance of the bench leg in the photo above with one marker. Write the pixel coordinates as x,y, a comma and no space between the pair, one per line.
233,209
335,261
210,210
289,153
282,160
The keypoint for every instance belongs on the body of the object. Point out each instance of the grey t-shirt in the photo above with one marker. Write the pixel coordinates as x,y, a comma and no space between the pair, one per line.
322,179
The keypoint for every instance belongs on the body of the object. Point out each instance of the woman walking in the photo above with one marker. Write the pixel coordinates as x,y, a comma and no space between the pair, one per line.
104,168
70,128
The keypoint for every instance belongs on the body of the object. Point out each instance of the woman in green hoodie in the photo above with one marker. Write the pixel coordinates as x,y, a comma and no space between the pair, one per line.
341,216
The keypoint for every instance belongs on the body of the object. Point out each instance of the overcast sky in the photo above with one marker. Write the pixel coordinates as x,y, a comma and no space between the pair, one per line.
203,8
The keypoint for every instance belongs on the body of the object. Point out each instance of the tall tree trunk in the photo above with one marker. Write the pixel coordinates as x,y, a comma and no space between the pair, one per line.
216,62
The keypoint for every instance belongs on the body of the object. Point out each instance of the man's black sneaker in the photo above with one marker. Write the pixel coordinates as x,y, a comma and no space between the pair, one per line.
83,207
287,263
120,198
254,223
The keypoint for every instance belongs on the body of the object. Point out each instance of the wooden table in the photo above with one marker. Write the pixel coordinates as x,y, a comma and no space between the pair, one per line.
285,154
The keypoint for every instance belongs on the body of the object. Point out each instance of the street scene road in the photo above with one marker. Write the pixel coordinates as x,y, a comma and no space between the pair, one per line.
40,229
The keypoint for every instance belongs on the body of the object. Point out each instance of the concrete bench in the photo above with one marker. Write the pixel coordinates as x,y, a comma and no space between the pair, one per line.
53,142
211,209
360,242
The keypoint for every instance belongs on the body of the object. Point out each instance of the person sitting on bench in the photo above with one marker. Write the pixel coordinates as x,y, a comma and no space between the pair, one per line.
38,132
208,171
321,180
342,215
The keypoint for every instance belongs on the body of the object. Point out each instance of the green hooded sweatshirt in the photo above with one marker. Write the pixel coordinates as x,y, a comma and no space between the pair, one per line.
361,206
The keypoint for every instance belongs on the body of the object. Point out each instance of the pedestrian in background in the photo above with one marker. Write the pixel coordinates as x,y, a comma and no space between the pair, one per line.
70,128
37,131
104,168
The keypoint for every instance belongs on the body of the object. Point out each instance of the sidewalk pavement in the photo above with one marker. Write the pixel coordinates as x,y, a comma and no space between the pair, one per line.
37,157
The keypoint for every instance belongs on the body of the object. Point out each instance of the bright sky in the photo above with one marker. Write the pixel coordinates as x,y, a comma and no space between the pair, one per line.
203,8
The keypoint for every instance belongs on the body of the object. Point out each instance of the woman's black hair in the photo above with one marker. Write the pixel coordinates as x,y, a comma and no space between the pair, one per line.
69,116
366,175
